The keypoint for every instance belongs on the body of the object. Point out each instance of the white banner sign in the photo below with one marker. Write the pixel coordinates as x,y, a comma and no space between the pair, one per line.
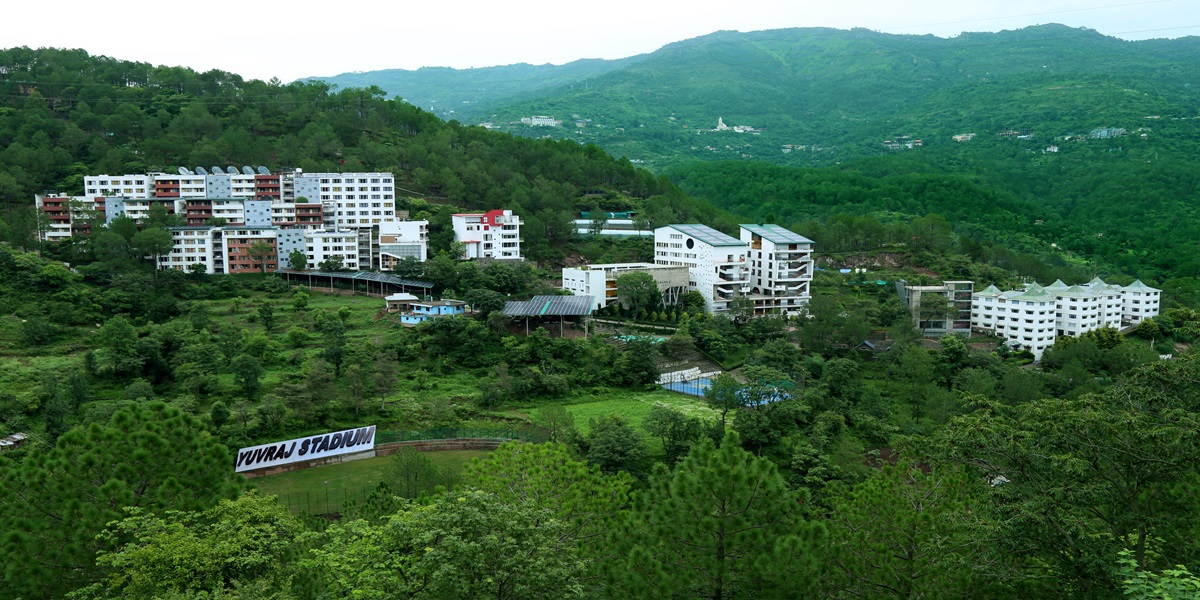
308,448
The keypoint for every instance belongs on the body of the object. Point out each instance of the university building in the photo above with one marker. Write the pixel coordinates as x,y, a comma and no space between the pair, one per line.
225,211
494,234
770,265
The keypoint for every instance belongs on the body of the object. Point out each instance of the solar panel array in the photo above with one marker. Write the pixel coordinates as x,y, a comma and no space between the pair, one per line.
708,235
777,234
550,306
363,276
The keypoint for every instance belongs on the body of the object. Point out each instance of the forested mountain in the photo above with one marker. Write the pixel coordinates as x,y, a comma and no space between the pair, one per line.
1088,142
470,95
833,95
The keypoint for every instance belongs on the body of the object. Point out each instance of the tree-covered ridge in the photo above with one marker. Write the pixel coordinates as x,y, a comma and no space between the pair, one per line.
841,90
469,95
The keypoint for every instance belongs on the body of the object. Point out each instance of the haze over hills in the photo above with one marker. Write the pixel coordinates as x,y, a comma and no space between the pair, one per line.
469,94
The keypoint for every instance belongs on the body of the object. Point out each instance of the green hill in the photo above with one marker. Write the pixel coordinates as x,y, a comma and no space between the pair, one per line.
834,95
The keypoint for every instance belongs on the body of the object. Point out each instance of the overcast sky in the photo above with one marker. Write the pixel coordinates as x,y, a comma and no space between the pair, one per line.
270,38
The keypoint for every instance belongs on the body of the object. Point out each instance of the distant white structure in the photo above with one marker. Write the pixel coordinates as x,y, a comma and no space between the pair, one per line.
1025,319
543,121
494,234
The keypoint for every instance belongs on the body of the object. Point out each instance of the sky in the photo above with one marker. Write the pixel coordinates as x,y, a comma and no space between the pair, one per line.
262,39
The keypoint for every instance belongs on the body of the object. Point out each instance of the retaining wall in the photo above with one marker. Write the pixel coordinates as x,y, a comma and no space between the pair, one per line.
382,450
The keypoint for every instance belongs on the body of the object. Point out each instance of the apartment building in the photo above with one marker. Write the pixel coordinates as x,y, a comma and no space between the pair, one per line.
238,241
350,200
1083,308
226,249
125,186
1025,319
1139,302
600,281
195,245
323,245
494,234
64,217
780,269
716,262
1034,317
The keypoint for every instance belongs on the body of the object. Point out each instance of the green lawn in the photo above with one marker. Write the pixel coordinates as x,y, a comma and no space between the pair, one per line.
634,406
321,490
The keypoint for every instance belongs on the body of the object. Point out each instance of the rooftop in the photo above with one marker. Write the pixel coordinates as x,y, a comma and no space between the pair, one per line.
777,234
707,234
550,306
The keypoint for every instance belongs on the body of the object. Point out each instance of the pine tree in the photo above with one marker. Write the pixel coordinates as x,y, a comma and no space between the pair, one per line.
55,502
722,525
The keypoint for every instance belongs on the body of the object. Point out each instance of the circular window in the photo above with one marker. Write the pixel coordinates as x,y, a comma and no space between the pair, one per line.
691,243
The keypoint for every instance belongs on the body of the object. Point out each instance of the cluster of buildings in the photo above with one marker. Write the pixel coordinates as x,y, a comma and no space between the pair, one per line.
768,265
346,217
1033,317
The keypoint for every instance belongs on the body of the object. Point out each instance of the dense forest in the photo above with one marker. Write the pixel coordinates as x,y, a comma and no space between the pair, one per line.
815,465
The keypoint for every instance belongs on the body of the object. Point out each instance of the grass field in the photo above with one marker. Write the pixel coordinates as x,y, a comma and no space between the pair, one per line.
321,490
634,406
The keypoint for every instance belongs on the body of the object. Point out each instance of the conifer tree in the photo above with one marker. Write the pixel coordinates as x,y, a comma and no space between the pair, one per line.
722,525
55,502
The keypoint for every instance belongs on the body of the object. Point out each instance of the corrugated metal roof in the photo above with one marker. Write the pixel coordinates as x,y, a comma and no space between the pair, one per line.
362,276
550,306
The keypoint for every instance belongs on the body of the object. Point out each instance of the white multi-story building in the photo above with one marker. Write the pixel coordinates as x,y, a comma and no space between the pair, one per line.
1083,308
223,249
1139,302
350,200
780,264
1025,319
195,245
1034,317
716,262
494,234
124,186
401,240
600,281
325,244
